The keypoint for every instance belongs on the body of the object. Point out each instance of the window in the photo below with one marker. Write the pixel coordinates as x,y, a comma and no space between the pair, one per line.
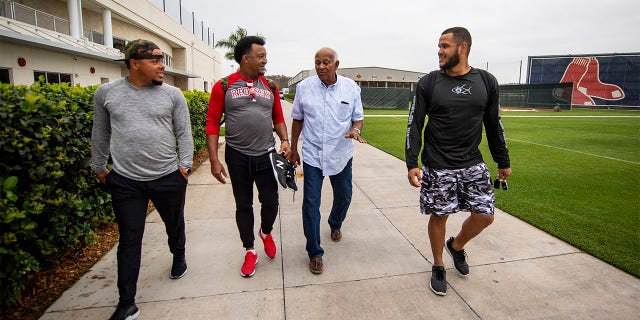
52,77
5,75
97,37
167,59
206,86
119,44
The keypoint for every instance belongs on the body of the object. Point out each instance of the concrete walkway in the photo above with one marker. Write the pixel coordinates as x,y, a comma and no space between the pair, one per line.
380,269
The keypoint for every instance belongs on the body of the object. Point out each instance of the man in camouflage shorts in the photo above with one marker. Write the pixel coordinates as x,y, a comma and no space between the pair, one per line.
458,100
445,191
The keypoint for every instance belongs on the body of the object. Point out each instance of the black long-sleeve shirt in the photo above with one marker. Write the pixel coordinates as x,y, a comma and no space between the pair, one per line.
457,108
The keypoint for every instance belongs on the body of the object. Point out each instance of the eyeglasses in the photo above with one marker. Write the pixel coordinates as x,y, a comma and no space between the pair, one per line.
252,91
497,182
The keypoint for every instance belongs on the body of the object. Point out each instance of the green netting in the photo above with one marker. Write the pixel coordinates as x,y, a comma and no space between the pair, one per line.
537,96
386,98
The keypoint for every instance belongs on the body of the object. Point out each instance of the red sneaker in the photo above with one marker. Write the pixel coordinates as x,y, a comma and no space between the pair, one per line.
269,245
249,266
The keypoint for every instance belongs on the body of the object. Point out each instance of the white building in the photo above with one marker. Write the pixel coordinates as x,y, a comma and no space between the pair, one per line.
381,88
77,41
369,77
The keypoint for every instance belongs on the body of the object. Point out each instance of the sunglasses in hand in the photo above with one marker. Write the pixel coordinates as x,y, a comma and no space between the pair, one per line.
497,182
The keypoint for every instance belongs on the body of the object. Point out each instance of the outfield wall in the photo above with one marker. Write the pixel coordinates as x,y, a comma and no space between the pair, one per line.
600,80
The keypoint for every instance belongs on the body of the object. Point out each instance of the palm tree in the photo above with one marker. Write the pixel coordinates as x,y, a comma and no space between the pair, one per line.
231,42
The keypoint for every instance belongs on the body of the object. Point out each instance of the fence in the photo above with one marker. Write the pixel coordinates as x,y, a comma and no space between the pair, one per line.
188,20
536,96
386,98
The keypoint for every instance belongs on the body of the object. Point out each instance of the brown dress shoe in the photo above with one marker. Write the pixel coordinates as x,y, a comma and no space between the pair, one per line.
315,265
336,235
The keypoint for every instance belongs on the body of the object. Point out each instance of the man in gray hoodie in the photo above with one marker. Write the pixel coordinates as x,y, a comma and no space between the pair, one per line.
141,122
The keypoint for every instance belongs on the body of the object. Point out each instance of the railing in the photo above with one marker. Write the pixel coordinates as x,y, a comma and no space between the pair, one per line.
186,18
22,13
16,11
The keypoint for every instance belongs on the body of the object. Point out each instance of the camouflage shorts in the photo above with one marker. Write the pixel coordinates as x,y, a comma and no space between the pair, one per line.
446,191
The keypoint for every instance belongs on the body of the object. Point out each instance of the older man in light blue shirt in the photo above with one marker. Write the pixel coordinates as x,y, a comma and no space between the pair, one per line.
327,110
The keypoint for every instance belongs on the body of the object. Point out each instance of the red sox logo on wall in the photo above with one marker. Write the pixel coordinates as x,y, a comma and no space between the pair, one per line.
584,72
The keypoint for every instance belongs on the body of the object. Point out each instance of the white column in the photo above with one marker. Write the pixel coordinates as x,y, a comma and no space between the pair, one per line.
80,23
74,19
107,28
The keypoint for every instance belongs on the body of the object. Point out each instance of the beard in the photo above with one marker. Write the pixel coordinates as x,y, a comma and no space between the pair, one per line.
453,61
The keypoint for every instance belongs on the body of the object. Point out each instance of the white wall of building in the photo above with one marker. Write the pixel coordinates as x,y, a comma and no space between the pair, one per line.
194,62
38,59
191,55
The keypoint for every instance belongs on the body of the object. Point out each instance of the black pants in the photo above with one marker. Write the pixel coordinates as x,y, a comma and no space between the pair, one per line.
130,200
244,170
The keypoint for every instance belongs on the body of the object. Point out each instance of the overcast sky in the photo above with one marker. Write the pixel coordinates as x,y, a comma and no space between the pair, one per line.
403,34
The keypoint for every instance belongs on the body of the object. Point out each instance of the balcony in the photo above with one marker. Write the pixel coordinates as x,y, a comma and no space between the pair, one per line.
19,12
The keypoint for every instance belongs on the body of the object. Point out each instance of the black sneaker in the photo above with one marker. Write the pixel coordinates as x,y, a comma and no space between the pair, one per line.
459,258
179,267
125,312
290,175
438,283
283,171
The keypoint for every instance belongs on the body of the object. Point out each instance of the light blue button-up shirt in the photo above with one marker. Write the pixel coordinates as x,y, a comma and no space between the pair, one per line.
328,113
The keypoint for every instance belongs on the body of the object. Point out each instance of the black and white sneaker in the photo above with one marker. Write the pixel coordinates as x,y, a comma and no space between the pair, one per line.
126,312
283,171
459,258
290,175
179,267
438,283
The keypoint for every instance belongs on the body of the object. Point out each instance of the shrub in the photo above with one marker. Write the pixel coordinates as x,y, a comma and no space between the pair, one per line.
49,200
198,102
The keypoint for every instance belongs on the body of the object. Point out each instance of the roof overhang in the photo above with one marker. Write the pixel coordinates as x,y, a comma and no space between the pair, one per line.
17,32
20,33
179,73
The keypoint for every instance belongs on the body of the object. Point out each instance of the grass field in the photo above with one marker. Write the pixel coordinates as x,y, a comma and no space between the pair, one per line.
576,175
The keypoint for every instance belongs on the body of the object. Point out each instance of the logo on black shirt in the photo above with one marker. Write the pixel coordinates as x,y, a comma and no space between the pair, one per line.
461,89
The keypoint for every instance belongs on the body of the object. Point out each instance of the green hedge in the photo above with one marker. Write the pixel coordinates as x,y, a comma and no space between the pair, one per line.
50,199
198,102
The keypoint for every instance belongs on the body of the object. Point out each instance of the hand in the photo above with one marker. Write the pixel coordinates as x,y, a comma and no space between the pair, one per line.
285,148
294,158
354,134
218,172
503,174
184,173
102,176
415,177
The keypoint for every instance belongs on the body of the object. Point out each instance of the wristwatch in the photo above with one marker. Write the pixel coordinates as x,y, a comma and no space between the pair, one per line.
186,171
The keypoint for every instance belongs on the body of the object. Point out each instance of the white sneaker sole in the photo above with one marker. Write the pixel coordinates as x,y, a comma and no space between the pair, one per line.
180,276
254,270
133,316
437,292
